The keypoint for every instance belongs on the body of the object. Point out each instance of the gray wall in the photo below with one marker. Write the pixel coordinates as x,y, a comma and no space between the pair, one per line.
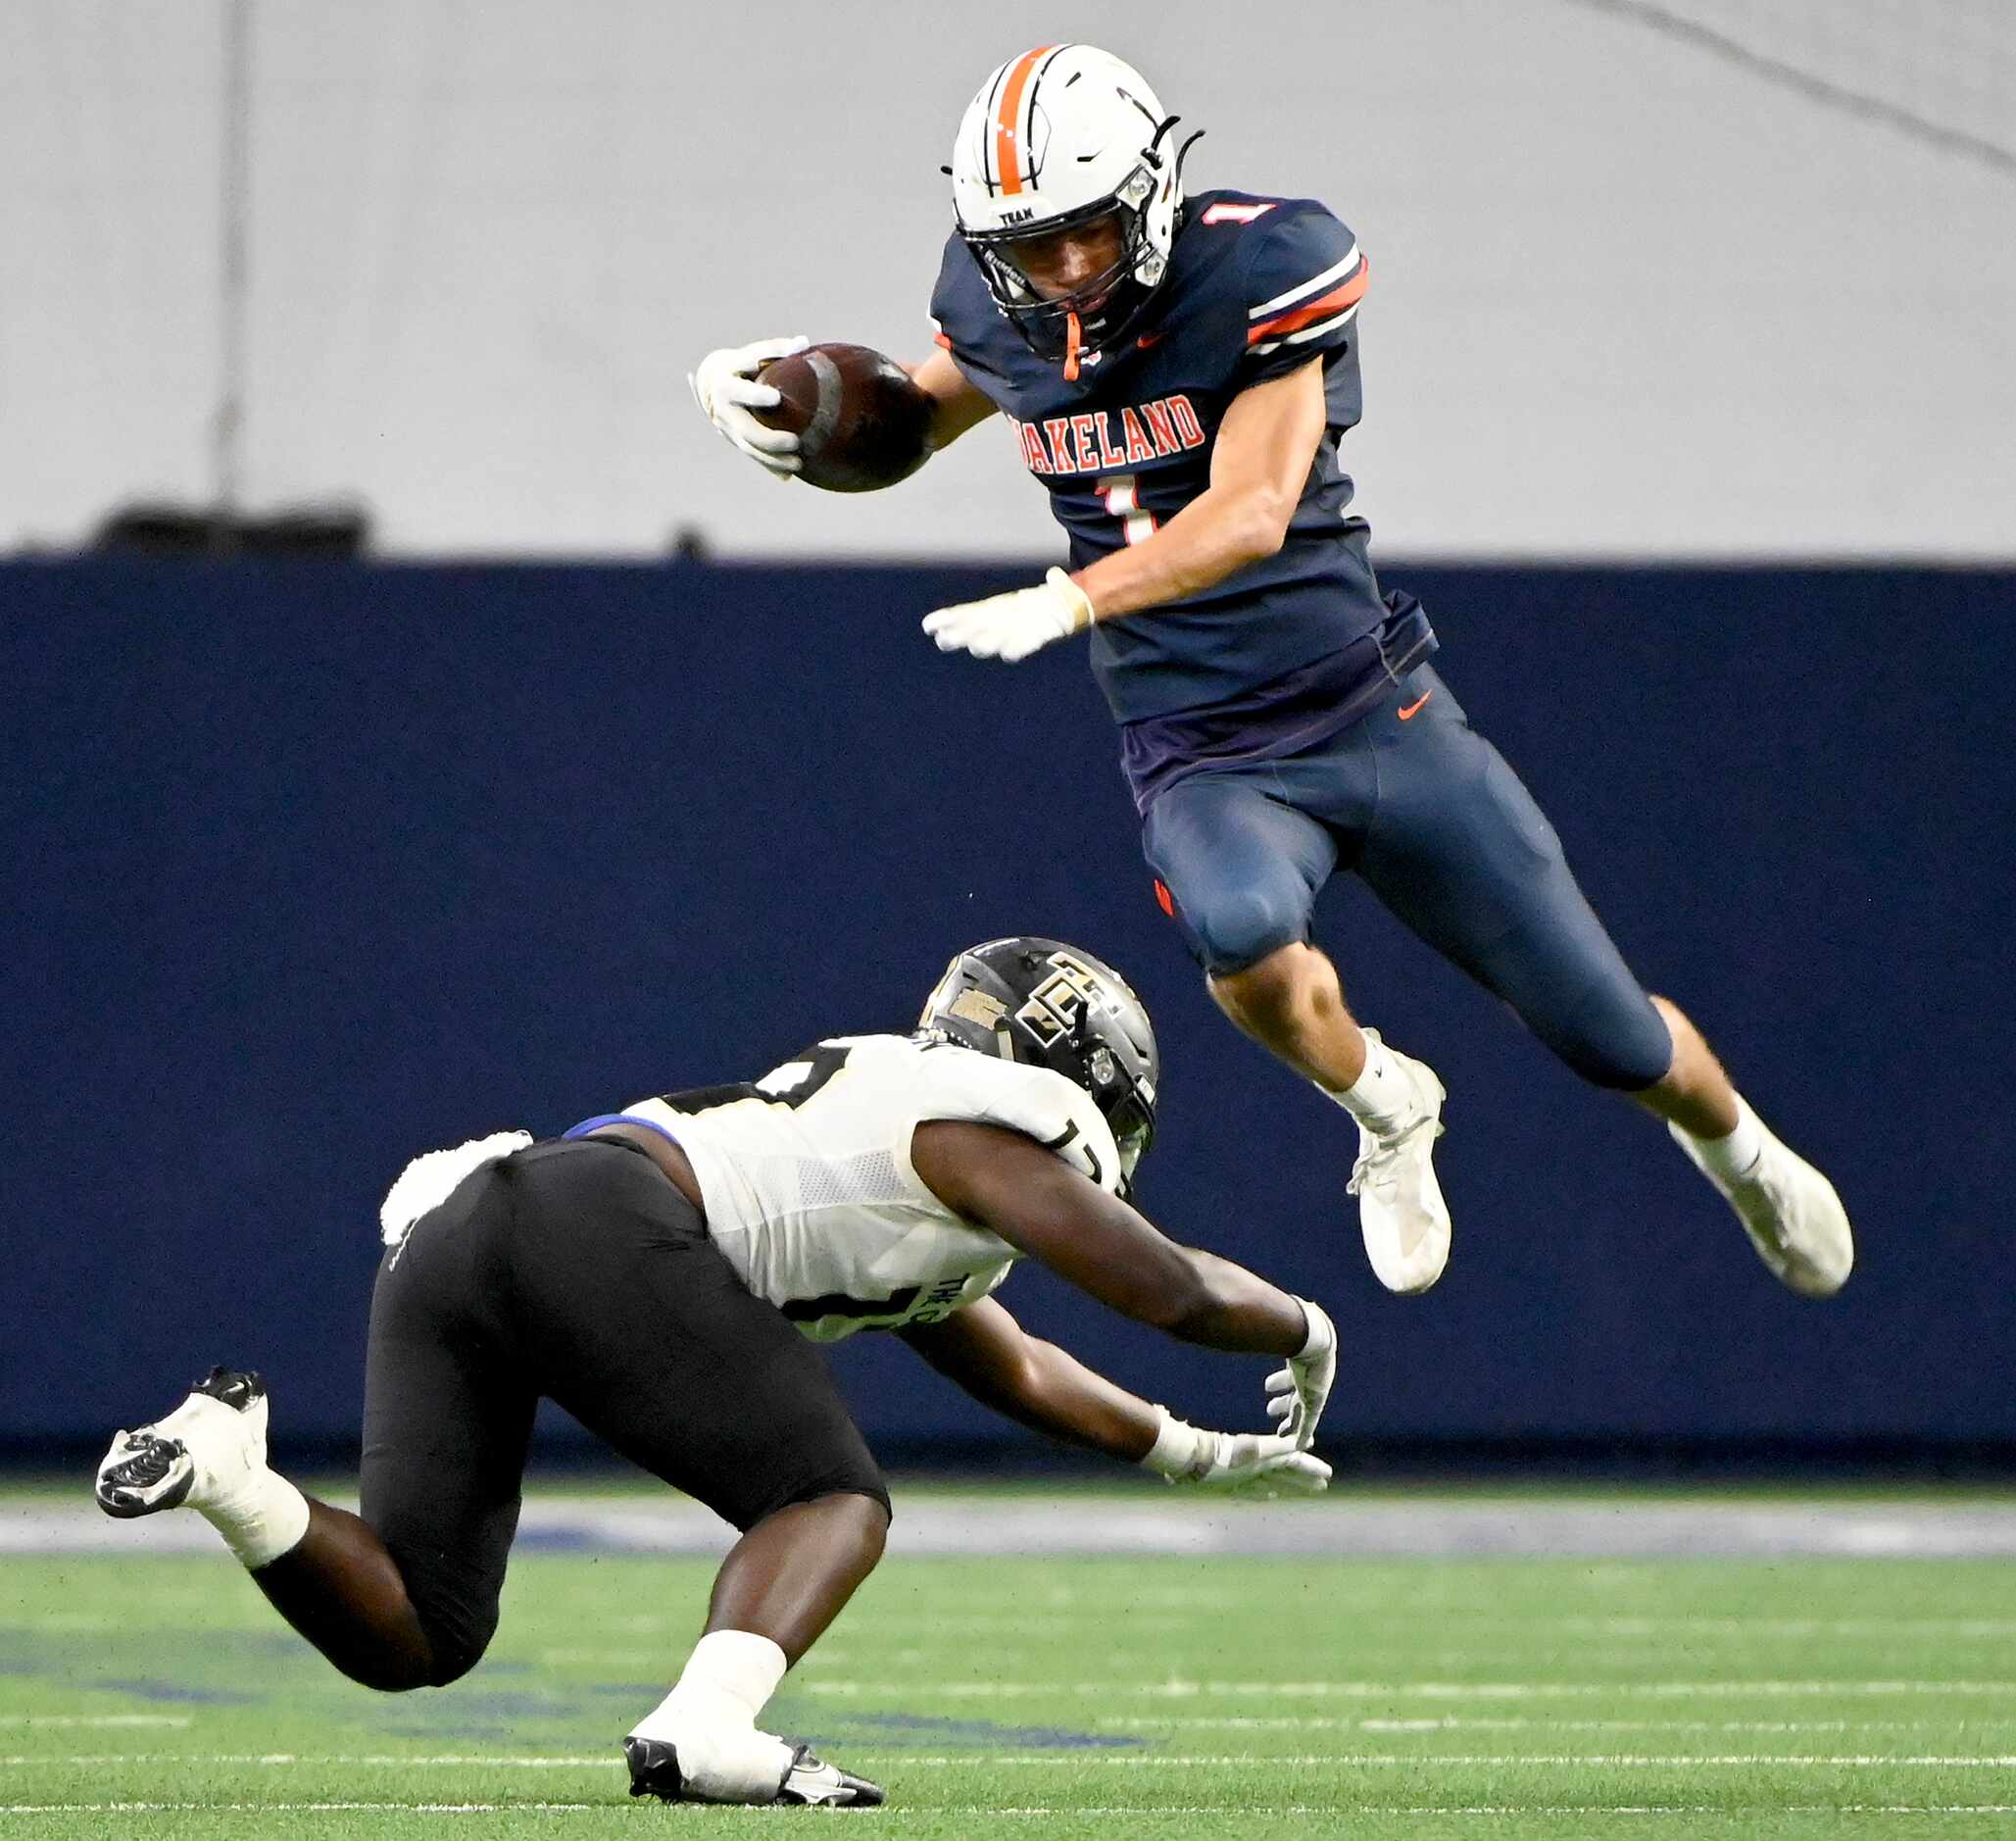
1636,290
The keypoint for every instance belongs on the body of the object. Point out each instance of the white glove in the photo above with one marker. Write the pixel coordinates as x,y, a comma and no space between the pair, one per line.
725,387
1296,1394
1253,1463
1011,626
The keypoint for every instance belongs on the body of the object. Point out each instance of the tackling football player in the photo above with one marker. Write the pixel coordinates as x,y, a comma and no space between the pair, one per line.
1179,374
662,1271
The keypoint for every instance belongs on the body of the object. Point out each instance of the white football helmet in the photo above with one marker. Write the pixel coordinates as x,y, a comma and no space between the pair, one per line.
1057,138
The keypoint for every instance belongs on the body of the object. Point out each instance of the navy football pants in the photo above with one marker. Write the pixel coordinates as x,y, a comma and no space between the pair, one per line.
1428,814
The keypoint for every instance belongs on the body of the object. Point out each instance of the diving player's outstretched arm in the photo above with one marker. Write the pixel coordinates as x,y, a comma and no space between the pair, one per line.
1009,1184
1031,1198
985,1351
1035,1383
1266,444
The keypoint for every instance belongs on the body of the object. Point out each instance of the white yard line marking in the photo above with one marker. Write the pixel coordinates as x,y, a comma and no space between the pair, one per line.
1413,1760
1689,1810
1332,1722
659,1659
1985,1628
94,1719
609,1760
1077,1759
1485,1808
410,1808
1411,1690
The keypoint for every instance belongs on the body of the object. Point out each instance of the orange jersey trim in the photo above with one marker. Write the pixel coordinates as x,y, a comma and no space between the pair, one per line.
1335,302
1007,159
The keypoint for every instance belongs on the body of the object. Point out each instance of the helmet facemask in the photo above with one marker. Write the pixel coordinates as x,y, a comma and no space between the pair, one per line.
1128,1103
1098,312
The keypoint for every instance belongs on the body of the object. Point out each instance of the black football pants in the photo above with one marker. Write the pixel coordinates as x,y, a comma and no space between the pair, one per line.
577,1272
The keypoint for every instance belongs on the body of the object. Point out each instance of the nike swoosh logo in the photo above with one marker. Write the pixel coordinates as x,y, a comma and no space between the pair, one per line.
1414,709
1148,338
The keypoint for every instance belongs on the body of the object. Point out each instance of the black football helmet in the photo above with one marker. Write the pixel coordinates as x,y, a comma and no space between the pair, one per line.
1041,1001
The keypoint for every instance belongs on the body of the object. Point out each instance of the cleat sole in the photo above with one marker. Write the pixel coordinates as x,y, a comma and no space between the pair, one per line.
125,1489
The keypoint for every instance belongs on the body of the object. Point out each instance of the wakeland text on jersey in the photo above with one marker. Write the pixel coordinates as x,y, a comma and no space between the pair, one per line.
1108,438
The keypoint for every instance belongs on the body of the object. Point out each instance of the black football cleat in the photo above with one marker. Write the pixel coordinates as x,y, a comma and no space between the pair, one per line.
142,1473
154,1469
655,1769
237,1387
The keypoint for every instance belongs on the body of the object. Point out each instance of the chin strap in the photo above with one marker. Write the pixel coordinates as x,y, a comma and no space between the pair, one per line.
1073,338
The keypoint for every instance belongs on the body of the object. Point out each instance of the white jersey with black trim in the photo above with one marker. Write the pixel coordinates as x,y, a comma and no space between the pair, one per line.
808,1187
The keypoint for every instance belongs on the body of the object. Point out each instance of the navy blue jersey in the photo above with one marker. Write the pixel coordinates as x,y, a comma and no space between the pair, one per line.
1257,287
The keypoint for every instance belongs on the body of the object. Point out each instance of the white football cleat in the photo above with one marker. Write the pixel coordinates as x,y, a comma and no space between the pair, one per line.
1791,1213
203,1453
740,1768
1401,1214
813,1784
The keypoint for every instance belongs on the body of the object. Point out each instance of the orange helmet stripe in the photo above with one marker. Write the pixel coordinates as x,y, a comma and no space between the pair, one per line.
1007,159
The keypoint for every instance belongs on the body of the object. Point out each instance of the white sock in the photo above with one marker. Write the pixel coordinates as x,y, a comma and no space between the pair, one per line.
263,1517
729,1678
1381,1095
1731,1157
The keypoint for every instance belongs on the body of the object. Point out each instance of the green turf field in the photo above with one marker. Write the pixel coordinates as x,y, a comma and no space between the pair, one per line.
1158,1697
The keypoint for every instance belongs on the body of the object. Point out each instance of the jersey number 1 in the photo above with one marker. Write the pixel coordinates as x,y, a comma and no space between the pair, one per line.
1120,494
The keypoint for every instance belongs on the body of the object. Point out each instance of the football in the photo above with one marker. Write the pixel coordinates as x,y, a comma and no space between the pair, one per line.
862,424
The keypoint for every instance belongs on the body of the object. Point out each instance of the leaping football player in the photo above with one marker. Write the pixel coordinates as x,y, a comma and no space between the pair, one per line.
1179,374
663,1273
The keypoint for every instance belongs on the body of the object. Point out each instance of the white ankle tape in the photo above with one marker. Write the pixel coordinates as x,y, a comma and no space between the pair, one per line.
729,1678
260,1522
739,1663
